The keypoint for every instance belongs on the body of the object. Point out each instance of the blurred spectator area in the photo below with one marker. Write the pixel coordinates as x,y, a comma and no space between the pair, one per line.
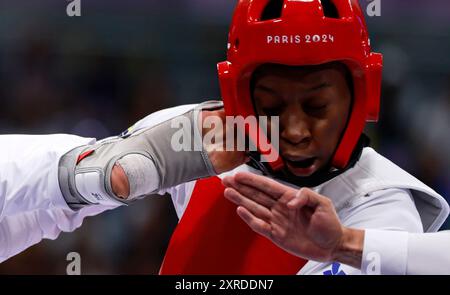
97,74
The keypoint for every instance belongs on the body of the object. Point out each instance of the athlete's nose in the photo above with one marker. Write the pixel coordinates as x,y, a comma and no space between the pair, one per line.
295,128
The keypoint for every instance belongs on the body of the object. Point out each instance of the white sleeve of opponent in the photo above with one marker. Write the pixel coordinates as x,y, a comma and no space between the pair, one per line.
23,230
398,253
29,171
31,204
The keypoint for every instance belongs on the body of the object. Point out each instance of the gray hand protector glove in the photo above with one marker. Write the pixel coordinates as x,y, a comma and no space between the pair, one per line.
147,156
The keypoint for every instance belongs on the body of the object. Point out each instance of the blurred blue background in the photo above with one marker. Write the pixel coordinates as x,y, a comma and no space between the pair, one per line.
97,74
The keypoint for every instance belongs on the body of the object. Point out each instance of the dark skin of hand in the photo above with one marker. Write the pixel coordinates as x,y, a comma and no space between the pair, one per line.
301,222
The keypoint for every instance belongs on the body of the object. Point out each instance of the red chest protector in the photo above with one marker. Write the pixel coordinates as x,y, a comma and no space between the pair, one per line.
212,239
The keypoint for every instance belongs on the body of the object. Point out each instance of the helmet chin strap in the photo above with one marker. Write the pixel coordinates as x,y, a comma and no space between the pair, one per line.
319,177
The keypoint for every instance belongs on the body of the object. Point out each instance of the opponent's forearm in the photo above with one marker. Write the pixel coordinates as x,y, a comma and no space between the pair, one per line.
28,171
351,248
147,156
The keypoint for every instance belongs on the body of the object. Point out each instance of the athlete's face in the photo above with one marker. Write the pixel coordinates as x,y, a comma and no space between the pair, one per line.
313,106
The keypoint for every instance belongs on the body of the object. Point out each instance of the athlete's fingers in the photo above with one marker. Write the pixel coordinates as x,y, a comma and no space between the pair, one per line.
256,224
272,188
307,197
250,192
255,208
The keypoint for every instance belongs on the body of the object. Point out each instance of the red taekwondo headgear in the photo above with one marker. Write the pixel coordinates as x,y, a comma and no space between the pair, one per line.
303,33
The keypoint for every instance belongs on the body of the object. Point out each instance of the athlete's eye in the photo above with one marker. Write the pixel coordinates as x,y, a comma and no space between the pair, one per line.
316,108
272,111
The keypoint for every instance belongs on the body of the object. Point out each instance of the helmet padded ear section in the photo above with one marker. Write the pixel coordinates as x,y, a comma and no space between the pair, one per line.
374,78
243,105
227,87
354,127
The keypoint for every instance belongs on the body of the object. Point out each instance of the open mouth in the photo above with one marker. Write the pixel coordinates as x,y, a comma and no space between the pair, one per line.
302,164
